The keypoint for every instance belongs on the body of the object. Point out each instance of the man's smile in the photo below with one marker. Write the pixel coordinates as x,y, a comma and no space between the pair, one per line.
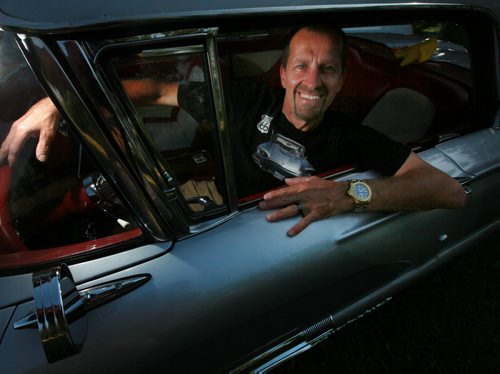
307,96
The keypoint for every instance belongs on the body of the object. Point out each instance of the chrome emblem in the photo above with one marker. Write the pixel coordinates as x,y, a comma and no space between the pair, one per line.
264,124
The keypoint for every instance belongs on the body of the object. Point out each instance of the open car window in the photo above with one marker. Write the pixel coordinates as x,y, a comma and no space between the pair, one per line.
58,209
411,82
419,103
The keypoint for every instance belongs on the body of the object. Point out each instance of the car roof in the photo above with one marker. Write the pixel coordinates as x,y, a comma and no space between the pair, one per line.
65,15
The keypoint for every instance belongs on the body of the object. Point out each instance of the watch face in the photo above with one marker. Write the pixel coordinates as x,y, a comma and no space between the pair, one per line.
361,191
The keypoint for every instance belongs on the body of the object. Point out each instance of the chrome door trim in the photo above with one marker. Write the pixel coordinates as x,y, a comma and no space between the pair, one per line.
63,87
308,337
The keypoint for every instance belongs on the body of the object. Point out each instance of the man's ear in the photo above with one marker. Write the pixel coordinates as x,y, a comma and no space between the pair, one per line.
283,75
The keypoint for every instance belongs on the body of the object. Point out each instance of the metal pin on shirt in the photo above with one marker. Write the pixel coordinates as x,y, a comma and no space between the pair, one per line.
264,124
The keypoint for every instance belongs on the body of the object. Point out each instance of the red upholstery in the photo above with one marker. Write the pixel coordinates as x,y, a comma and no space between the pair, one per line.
9,241
372,71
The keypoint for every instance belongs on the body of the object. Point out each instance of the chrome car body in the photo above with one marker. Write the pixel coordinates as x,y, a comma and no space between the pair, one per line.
283,158
143,273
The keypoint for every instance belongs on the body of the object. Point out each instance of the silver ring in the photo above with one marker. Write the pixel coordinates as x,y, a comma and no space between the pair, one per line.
300,209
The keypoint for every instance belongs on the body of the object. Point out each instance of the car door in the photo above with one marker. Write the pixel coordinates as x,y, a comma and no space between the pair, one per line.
56,217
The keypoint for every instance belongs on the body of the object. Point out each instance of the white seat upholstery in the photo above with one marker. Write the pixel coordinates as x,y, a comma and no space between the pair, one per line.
402,114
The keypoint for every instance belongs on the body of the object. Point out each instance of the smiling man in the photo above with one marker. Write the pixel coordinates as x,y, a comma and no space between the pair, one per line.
312,75
278,131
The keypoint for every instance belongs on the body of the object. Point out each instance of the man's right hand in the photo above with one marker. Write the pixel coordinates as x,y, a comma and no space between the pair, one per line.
42,121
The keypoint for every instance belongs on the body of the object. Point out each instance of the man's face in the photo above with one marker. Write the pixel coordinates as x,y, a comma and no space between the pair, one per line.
312,78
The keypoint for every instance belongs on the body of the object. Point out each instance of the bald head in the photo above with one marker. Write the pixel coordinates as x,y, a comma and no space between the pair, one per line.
334,33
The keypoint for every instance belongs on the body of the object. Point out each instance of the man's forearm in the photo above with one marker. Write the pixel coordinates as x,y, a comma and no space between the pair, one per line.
415,186
151,92
418,189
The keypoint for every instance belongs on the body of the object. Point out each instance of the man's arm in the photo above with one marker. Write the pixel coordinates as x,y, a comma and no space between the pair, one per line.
151,92
415,186
42,119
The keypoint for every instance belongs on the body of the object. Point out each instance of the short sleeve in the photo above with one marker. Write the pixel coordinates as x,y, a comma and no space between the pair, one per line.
373,150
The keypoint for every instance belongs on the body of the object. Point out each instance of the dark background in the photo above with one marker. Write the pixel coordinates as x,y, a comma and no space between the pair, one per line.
449,322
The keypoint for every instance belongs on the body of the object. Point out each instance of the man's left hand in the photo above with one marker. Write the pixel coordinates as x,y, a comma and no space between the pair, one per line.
312,197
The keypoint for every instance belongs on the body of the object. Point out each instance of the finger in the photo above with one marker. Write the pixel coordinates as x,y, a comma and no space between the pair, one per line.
287,212
297,180
42,151
299,227
303,223
283,196
43,146
274,194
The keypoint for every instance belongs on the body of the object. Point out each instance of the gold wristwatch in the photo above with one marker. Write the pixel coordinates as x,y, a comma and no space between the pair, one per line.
361,193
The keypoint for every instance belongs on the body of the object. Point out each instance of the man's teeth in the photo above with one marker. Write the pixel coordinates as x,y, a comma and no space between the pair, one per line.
309,97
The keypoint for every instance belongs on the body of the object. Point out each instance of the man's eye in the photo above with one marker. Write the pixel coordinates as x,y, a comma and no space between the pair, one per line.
329,69
300,67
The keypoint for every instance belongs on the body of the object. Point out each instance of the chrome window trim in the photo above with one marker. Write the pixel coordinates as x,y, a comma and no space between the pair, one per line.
220,113
182,225
81,117
139,162
172,51
99,47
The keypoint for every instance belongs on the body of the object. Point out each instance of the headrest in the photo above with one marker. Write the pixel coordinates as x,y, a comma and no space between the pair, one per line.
402,114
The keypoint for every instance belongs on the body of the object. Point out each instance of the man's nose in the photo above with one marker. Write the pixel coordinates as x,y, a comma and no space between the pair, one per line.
313,78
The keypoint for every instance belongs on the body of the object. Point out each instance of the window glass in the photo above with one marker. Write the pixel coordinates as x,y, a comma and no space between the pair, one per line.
55,209
185,137
451,37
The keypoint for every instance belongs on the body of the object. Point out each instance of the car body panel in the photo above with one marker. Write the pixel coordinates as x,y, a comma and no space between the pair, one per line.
5,317
475,153
193,296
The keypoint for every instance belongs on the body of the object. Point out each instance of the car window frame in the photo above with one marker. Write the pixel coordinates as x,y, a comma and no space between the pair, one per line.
183,39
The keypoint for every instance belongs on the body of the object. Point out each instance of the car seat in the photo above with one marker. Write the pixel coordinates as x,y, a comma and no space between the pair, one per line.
403,114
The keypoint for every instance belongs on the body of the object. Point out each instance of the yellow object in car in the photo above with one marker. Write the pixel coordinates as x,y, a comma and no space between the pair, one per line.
417,53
